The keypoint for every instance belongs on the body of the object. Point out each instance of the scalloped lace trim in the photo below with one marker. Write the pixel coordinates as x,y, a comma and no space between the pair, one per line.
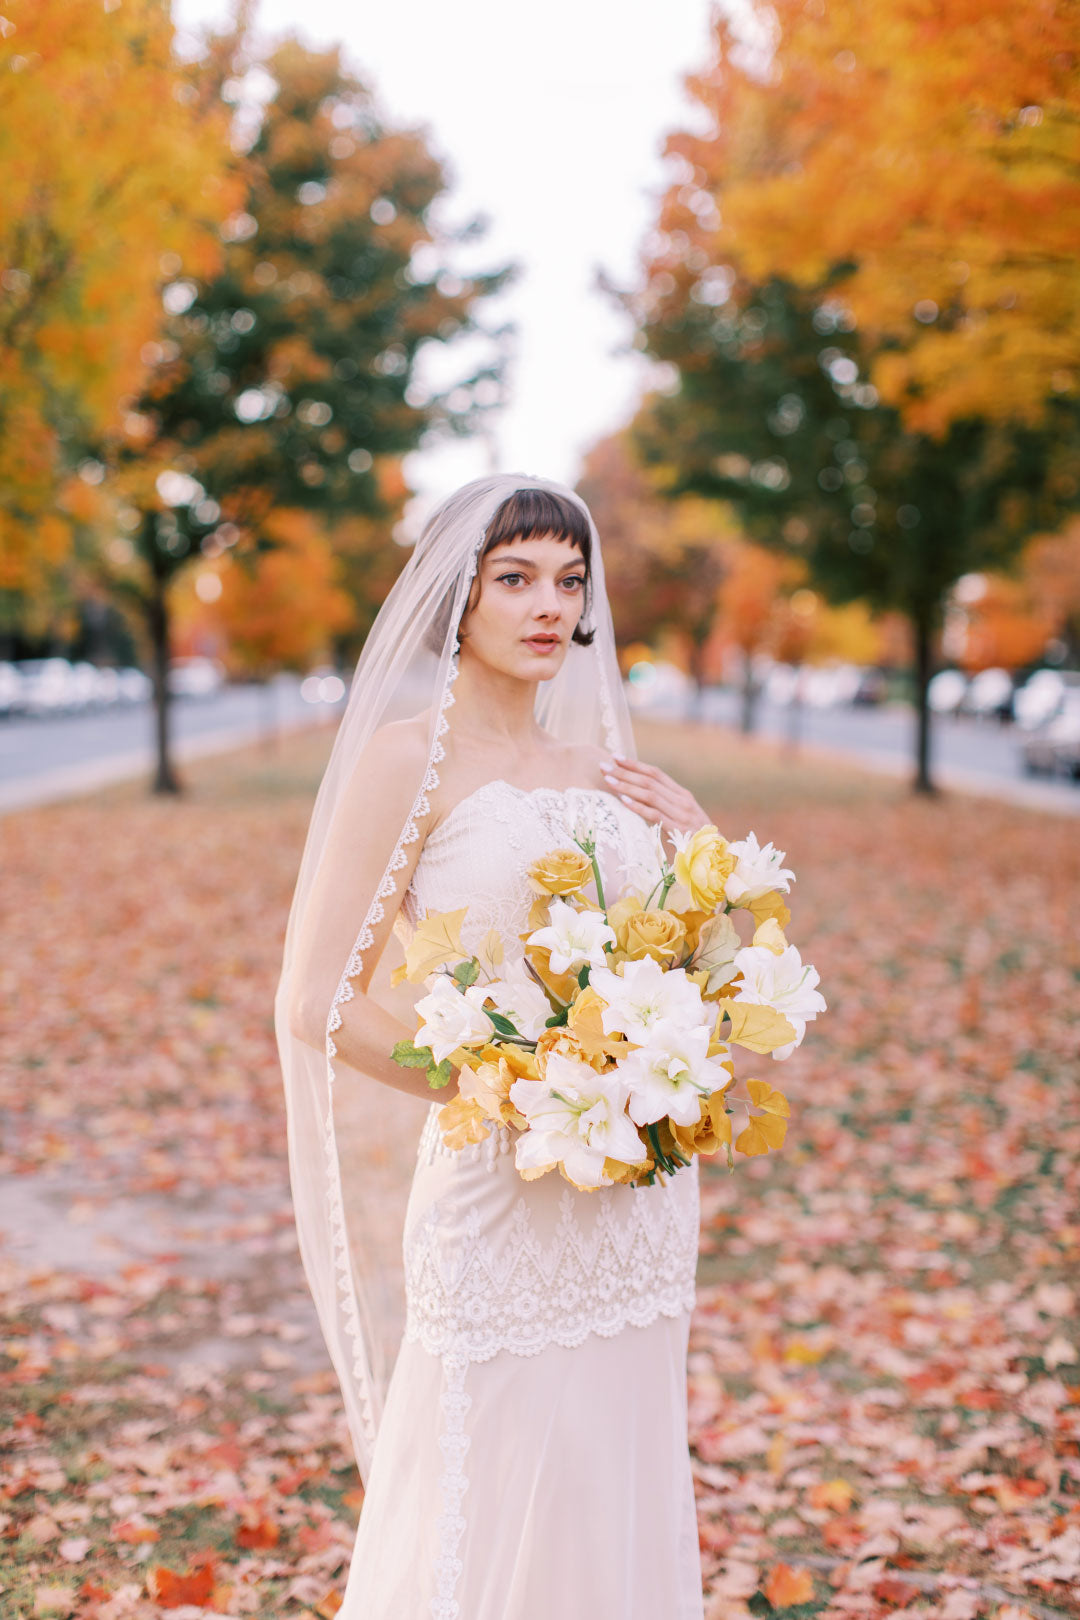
369,1400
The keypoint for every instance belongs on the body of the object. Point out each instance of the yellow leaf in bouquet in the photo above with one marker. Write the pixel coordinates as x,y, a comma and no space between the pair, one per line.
521,1063
770,935
763,1131
488,1086
560,871
461,1122
437,940
620,1173
769,905
490,951
693,921
763,1095
539,914
760,1029
399,975
562,985
718,941
585,1019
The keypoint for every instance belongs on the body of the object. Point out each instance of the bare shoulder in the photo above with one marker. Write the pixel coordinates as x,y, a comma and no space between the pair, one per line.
587,764
392,762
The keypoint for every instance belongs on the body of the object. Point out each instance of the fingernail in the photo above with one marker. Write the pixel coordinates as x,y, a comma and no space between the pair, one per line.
625,800
609,777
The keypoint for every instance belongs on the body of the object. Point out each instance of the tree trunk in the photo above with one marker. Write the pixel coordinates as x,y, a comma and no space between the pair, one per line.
749,696
157,615
921,622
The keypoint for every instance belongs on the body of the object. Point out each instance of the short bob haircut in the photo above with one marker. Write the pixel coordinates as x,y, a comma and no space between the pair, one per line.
529,514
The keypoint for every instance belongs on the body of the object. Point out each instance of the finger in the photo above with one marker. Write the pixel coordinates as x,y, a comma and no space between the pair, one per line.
653,772
650,782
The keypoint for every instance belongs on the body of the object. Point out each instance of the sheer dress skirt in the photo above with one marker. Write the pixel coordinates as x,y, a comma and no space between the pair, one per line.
532,1459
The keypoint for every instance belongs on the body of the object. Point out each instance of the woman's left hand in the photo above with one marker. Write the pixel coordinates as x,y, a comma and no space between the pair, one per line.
654,795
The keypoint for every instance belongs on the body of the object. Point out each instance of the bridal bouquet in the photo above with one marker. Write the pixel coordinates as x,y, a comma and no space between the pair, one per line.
609,1047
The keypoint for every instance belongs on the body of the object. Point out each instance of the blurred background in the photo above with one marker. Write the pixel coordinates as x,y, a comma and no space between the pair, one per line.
790,292
808,349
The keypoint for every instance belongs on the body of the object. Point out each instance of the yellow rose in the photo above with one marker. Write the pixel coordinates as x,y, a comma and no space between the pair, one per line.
562,871
619,914
659,934
712,1130
488,1087
562,1040
703,865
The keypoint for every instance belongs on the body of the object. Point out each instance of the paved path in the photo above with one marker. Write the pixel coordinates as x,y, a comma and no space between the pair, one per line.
43,760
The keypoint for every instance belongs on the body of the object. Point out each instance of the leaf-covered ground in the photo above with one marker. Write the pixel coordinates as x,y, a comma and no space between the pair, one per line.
885,1370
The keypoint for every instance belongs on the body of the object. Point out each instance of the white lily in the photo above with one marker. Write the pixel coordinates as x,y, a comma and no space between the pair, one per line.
449,1021
518,998
757,871
643,995
670,1076
784,982
573,937
577,1119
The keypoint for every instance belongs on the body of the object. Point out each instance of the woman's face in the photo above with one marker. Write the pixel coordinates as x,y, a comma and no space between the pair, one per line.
531,596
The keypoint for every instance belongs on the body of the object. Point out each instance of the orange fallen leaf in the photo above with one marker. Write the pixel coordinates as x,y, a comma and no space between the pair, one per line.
834,1494
328,1606
173,1591
784,1586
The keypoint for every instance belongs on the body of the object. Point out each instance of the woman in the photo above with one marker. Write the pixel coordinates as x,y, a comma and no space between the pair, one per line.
531,1458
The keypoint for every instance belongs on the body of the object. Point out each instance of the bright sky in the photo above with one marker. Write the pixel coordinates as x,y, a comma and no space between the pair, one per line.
550,120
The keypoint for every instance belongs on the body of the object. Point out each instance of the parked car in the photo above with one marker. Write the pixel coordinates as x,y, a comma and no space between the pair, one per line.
133,686
48,687
195,677
946,691
1042,695
990,695
1053,748
12,697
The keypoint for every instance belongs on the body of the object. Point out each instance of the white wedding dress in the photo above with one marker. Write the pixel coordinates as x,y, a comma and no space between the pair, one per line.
532,1460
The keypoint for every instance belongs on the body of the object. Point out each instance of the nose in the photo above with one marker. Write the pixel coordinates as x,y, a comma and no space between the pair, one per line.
546,604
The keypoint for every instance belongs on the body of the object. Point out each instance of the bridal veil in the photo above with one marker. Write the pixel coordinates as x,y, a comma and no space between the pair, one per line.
347,1204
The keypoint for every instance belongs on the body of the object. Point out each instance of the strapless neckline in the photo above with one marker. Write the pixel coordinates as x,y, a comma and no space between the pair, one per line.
523,793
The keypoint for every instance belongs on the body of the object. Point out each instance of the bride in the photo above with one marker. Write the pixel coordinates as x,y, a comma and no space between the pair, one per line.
528,1459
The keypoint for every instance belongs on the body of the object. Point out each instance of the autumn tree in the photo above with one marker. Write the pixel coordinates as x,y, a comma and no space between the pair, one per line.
931,153
776,407
287,380
665,561
109,161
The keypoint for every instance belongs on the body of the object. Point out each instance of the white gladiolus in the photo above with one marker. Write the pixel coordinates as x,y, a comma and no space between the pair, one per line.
518,998
643,995
671,1075
449,1021
757,871
573,937
577,1119
784,982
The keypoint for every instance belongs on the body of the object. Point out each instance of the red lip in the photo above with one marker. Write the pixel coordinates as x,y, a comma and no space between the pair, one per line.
541,641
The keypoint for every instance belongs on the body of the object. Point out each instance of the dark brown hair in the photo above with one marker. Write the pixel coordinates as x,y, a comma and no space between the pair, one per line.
528,514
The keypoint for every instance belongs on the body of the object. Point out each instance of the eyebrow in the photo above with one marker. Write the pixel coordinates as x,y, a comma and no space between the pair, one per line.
527,562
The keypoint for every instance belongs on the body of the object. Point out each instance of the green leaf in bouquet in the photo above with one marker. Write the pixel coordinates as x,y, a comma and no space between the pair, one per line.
583,975
467,973
503,1025
438,1074
411,1056
557,1018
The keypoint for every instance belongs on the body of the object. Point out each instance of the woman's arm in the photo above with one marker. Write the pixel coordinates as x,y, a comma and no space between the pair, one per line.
362,837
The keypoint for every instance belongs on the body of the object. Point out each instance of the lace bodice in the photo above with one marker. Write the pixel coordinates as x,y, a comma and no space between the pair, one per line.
479,855
493,1262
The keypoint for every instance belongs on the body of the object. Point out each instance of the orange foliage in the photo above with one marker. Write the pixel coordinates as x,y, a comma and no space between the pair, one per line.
936,149
784,1586
111,170
279,608
173,1591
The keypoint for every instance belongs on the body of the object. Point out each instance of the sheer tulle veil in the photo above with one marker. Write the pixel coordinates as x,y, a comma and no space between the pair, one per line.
349,1174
